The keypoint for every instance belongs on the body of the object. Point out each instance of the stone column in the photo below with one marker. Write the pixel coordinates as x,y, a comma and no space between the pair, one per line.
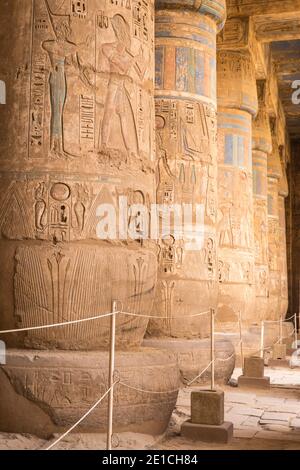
185,105
237,104
282,195
262,146
274,175
77,132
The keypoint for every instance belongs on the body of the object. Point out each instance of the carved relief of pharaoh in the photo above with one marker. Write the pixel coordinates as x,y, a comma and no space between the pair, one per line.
118,60
60,50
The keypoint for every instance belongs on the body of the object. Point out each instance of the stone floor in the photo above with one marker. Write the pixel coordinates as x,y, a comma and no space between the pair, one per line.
262,420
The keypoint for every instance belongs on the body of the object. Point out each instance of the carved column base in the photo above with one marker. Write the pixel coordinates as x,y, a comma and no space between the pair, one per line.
46,392
194,356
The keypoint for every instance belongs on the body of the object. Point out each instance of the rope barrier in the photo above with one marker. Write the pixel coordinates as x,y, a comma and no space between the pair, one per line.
113,382
54,325
81,419
199,375
177,389
169,391
104,315
278,321
148,391
165,317
225,360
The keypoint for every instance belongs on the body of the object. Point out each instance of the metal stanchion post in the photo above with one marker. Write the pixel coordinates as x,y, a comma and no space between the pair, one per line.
212,347
262,334
111,375
241,340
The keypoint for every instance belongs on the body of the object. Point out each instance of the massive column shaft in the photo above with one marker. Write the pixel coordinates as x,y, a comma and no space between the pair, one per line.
76,133
274,175
262,146
187,167
283,194
237,103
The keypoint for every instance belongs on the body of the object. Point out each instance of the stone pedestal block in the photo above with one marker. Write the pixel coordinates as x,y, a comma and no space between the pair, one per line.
254,367
279,356
254,382
44,392
207,407
253,376
202,432
279,351
207,418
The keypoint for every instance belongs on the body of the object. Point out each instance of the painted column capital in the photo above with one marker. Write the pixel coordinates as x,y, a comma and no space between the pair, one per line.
236,85
216,10
274,165
261,130
283,182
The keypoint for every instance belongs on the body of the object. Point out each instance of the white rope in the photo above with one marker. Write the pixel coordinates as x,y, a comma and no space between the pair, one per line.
74,322
258,350
167,391
201,373
165,317
148,391
81,419
278,321
227,358
71,322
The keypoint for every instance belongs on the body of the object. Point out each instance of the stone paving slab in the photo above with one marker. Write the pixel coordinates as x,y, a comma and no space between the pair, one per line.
243,398
285,407
244,410
277,427
237,420
251,421
244,433
269,400
268,423
276,435
227,408
277,416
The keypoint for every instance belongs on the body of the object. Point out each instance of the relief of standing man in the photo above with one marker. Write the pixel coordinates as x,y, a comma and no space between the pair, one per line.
59,51
118,61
